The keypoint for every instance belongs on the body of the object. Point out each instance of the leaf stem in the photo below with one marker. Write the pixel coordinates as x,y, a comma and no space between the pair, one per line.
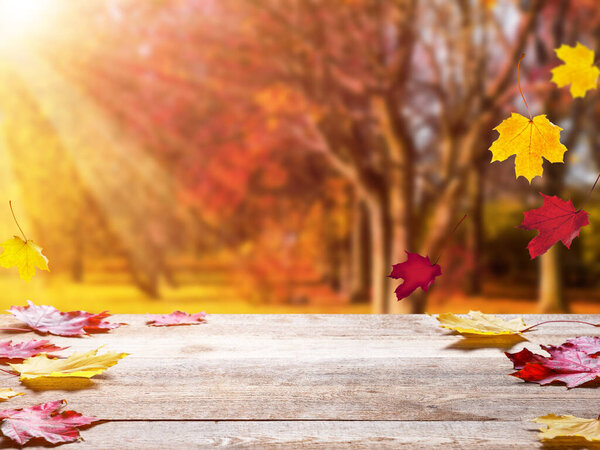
590,193
519,84
15,329
15,218
448,238
555,321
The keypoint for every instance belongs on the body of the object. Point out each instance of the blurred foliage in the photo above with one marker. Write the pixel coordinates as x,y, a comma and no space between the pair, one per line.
237,156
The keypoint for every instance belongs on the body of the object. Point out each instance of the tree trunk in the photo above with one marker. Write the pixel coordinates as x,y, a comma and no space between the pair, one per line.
360,257
399,243
379,227
475,229
551,296
77,267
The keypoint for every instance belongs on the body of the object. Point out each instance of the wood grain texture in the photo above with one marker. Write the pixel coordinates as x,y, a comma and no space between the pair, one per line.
317,381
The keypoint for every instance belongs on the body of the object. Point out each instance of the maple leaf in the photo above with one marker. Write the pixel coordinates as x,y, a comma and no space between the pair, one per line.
416,271
578,69
480,323
568,426
78,365
48,319
43,421
569,363
587,344
6,393
177,318
25,255
556,220
531,140
26,349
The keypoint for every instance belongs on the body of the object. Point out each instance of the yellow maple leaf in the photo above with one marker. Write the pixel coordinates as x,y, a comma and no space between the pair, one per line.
25,255
568,426
529,139
480,323
6,393
578,69
79,365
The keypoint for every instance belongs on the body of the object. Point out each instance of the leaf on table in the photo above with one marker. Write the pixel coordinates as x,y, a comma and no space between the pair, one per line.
578,69
587,344
177,318
556,220
48,319
568,426
6,393
480,323
24,255
78,365
27,349
43,421
569,363
530,140
416,271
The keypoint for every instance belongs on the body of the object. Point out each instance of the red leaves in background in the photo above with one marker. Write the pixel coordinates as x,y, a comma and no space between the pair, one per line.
574,363
27,349
557,220
416,271
48,319
43,421
177,318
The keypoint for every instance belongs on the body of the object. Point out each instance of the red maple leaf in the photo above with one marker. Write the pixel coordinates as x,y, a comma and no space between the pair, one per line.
575,362
48,319
587,344
416,271
43,421
556,220
27,349
177,318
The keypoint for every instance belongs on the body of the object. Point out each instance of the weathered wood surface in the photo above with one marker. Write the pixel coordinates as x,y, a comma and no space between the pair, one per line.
322,381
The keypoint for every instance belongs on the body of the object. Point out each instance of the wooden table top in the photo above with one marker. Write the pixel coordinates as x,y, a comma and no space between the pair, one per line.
316,381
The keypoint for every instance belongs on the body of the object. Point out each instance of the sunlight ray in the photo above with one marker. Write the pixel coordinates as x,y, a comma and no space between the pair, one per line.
136,195
9,190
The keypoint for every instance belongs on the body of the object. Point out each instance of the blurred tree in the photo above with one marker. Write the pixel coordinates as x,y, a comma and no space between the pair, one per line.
243,102
397,97
565,22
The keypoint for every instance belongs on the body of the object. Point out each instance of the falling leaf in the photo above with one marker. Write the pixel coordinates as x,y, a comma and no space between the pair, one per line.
578,69
48,319
416,271
480,323
531,140
568,363
26,349
557,220
177,318
25,255
6,393
568,426
78,365
43,421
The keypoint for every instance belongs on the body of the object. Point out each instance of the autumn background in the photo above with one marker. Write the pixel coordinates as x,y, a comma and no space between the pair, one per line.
281,155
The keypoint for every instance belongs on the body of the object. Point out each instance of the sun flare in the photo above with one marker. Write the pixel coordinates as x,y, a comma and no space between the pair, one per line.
20,18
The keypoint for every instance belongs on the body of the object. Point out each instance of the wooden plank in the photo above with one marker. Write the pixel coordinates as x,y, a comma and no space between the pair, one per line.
232,368
317,381
310,435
